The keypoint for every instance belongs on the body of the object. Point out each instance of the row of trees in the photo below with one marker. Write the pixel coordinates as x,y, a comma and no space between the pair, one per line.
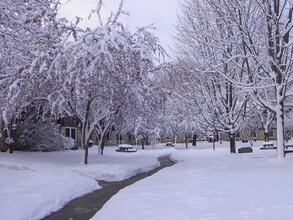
236,57
104,75
233,68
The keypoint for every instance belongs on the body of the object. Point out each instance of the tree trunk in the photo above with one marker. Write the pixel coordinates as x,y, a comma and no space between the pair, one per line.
101,146
280,123
10,148
84,138
267,139
186,142
9,138
84,145
142,143
85,155
232,143
194,139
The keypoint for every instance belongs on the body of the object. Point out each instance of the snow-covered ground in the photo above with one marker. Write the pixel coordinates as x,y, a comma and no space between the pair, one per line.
210,185
204,184
36,184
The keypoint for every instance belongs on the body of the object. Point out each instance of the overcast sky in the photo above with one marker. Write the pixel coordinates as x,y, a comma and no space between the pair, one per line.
163,13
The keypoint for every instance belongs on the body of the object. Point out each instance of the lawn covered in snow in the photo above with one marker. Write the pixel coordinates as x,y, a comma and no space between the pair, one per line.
203,184
210,185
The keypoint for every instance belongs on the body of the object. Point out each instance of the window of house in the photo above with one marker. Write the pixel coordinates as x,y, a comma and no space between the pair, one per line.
70,132
131,137
119,139
237,135
271,133
253,134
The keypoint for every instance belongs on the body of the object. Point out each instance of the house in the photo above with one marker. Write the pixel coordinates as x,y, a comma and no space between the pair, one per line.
258,135
70,127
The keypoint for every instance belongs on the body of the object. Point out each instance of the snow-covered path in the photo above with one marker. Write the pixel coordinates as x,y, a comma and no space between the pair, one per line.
34,185
88,205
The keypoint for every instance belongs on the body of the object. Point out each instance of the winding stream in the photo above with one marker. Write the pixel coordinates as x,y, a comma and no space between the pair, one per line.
87,206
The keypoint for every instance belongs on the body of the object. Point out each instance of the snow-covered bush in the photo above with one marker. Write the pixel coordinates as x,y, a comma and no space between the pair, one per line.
41,136
38,130
68,143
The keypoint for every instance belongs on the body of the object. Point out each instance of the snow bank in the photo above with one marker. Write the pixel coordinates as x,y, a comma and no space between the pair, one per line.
29,194
117,172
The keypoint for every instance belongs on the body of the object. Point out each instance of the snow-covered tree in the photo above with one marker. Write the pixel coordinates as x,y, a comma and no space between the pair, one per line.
204,60
253,39
147,122
141,115
266,35
251,126
28,29
267,117
181,115
276,63
98,72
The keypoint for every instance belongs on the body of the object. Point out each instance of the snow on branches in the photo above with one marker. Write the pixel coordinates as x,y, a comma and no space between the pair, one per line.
246,43
27,30
93,75
99,72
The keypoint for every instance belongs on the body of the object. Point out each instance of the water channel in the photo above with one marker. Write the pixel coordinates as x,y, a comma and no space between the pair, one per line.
87,206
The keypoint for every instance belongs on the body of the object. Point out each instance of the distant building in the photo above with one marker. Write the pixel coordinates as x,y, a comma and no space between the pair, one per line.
258,135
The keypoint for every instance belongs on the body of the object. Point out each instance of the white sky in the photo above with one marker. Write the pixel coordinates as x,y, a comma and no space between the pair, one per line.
163,13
